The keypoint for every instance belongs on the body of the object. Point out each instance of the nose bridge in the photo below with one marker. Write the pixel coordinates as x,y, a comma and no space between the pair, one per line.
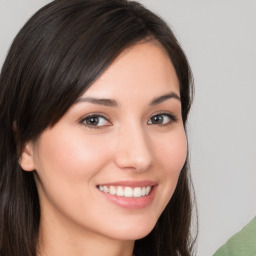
133,149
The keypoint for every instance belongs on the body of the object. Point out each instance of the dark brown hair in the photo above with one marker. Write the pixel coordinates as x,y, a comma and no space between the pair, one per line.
56,56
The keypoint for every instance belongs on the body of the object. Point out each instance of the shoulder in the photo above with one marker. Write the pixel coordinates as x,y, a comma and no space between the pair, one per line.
242,243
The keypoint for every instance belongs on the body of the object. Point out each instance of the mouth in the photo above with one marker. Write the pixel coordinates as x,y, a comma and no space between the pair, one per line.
126,191
129,194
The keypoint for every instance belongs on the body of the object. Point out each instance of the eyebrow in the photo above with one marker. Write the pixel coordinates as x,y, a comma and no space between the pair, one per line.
114,103
104,102
165,97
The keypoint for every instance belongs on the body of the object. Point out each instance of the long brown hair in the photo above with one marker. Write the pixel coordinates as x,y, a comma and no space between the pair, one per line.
56,56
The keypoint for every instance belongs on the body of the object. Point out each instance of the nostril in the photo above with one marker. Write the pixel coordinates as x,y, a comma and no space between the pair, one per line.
134,161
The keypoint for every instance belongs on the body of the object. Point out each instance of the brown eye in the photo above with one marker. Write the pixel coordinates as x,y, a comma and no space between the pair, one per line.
95,121
161,119
157,119
92,120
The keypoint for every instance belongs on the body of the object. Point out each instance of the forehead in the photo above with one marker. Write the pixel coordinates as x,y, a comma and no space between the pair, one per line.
144,68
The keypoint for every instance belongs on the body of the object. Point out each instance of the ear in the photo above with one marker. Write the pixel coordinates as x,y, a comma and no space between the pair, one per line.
27,159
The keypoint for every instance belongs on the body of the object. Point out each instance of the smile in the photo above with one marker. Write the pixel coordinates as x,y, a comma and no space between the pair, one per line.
121,191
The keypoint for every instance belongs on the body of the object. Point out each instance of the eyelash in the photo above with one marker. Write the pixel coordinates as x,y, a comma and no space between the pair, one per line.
172,118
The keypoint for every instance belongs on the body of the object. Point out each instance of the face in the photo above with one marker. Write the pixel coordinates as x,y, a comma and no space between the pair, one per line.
111,164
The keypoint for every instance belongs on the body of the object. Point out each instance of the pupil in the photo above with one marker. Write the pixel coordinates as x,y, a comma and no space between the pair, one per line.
157,119
93,120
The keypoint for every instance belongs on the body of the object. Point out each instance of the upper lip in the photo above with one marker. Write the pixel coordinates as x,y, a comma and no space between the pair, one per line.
129,183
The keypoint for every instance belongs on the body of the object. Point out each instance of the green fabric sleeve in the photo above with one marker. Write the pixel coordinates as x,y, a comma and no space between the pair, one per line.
241,244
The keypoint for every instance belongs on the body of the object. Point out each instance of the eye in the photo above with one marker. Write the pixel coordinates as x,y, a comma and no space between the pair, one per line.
95,121
162,119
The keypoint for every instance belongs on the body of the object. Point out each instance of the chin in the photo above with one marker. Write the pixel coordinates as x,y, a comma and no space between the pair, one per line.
134,232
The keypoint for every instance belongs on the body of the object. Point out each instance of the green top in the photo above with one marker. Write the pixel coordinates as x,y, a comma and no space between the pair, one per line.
242,243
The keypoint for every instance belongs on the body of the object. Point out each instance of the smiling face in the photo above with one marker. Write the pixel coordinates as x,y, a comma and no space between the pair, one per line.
110,165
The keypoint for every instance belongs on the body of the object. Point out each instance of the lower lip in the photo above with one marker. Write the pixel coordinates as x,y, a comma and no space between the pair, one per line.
132,202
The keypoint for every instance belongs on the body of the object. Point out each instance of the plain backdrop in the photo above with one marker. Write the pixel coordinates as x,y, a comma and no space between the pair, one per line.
219,38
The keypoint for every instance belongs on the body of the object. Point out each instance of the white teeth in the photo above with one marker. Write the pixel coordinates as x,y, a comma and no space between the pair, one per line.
148,190
112,190
143,191
137,192
120,191
126,191
105,189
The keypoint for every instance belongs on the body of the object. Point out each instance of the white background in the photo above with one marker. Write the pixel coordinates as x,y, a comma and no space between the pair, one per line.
219,38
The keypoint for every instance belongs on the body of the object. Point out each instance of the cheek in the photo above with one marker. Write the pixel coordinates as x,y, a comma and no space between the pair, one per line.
67,166
170,155
70,154
172,152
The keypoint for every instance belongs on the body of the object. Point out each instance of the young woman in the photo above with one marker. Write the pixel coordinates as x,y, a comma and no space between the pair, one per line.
94,98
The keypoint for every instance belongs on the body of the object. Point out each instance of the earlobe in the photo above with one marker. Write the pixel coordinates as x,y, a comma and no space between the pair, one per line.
26,160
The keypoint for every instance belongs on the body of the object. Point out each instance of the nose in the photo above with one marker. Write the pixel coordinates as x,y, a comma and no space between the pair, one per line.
133,150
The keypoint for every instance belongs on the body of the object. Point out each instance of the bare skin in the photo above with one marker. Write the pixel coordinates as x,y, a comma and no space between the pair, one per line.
125,131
